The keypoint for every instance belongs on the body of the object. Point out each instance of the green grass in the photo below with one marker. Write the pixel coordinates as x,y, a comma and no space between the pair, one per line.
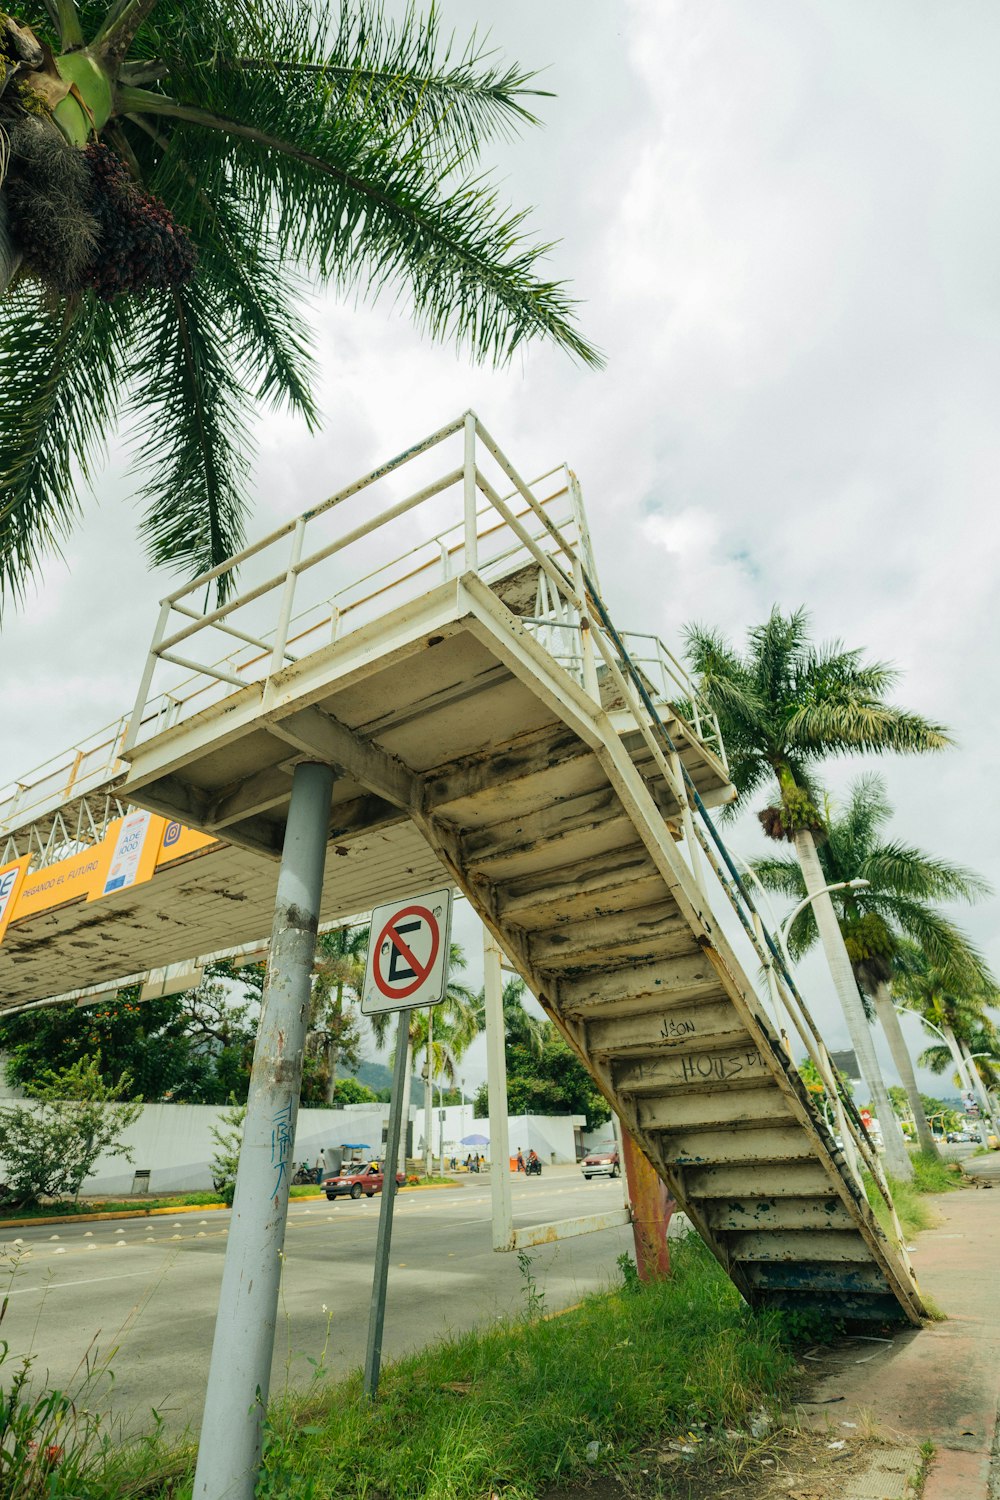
134,1205
512,1408
114,1205
930,1175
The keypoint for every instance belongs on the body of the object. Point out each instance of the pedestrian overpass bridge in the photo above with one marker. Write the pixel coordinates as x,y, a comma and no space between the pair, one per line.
436,633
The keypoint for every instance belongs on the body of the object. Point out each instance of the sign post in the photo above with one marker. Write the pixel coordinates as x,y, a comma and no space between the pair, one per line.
406,968
383,1243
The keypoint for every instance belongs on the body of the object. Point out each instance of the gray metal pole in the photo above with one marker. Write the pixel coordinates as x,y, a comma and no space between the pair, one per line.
240,1371
376,1318
496,1076
429,1097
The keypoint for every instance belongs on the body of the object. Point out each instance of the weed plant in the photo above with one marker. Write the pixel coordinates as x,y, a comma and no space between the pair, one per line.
513,1409
930,1175
59,1444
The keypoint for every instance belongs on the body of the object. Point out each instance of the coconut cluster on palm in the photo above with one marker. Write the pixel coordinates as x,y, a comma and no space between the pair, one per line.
173,178
77,214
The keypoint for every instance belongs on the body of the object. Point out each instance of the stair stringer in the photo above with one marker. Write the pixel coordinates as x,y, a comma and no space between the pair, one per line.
513,643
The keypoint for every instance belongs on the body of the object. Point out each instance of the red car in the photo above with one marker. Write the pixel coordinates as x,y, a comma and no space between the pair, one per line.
352,1182
602,1164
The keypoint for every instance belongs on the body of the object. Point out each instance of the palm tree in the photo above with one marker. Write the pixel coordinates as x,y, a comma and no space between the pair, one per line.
783,706
339,970
903,884
520,1027
981,1046
957,1010
455,1010
173,171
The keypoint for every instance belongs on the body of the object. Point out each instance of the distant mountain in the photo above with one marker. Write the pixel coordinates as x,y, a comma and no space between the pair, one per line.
377,1076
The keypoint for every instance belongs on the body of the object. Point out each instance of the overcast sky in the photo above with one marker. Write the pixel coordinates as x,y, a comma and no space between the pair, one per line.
781,218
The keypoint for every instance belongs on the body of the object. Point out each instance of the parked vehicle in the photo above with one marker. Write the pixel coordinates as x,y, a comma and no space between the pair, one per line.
351,1184
303,1173
604,1163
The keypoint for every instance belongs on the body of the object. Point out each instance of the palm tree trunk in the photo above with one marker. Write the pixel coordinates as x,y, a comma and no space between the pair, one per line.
331,1072
10,258
886,1012
896,1156
331,1051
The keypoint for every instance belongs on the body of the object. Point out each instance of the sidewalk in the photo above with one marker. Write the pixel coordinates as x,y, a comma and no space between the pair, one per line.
941,1382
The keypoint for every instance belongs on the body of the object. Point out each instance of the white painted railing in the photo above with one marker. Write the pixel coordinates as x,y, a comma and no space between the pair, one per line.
339,566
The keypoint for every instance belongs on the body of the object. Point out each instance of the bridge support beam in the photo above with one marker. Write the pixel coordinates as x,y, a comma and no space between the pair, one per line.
240,1370
652,1208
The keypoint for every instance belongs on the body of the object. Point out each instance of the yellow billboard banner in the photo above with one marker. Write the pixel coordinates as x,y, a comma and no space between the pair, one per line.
132,849
65,881
177,842
11,877
133,843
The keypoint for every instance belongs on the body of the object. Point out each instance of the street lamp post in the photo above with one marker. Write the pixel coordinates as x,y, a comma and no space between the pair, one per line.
963,1067
786,926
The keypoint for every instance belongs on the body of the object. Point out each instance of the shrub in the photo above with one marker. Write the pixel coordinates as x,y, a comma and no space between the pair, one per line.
48,1151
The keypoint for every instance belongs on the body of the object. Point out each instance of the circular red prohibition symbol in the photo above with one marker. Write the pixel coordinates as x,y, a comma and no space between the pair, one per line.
415,967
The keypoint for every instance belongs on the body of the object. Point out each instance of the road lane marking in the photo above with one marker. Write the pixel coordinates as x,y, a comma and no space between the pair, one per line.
54,1286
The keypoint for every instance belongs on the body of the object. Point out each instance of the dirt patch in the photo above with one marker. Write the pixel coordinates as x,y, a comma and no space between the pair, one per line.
793,1464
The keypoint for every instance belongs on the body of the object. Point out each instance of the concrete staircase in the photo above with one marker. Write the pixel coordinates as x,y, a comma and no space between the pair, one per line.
569,807
565,850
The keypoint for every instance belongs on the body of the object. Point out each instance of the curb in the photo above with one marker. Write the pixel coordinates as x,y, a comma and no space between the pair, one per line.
117,1213
181,1208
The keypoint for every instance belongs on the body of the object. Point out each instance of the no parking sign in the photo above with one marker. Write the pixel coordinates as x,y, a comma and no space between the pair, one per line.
408,954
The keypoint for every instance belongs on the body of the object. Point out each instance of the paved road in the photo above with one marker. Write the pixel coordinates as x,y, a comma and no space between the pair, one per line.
149,1286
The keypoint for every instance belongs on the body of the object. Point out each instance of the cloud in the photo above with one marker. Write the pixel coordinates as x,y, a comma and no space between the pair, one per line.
781,224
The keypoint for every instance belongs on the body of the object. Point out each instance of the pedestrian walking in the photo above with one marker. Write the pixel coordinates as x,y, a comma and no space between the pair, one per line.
520,1159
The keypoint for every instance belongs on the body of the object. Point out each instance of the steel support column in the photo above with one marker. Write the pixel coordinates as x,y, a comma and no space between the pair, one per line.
652,1207
240,1370
496,1077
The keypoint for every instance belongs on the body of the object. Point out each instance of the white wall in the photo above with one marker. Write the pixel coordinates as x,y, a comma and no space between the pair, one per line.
604,1135
174,1141
550,1135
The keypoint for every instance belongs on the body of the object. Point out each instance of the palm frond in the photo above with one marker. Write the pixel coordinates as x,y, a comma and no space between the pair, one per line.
194,434
61,373
948,950
240,268
906,871
838,705
405,75
783,875
376,220
938,1059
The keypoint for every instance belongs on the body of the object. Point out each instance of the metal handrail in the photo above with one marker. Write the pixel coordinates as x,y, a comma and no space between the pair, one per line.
849,1120
235,668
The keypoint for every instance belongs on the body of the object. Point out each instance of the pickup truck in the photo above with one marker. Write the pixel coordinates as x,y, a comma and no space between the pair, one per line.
354,1181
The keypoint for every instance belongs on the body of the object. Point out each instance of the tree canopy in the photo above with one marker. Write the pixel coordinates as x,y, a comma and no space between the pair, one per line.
784,704
548,1081
177,176
194,1048
900,901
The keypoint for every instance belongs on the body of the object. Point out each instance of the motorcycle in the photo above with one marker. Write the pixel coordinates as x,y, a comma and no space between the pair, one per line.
533,1168
303,1175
